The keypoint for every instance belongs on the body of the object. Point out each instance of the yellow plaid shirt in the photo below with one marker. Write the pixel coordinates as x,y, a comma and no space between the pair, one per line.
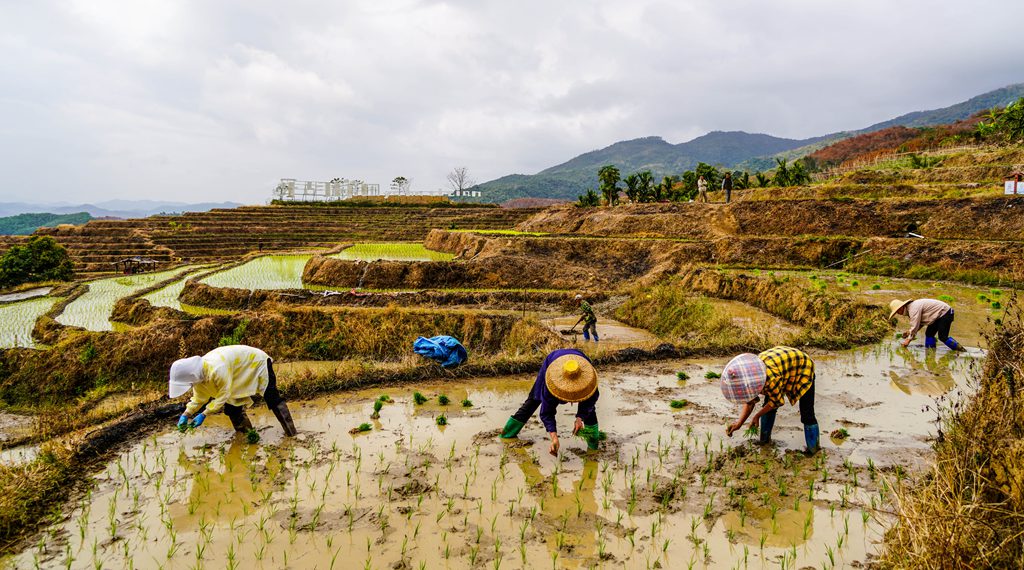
790,374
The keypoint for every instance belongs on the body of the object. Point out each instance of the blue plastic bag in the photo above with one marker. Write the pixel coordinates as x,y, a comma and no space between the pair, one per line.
444,349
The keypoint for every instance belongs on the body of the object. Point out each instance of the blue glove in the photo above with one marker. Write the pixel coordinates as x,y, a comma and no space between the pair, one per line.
182,422
198,420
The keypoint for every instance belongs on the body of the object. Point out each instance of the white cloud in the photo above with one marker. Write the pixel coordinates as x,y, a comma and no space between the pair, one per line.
205,100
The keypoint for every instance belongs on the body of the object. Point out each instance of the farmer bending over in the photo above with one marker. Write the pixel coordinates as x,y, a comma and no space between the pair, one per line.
588,319
933,314
565,376
228,377
776,373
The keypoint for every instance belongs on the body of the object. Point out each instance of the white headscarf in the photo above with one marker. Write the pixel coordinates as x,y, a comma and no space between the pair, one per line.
184,373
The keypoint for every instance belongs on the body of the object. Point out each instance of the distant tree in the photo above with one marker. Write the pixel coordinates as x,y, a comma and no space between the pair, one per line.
41,259
609,177
400,185
741,180
645,185
459,180
663,191
588,199
1007,123
798,174
762,179
711,174
688,188
781,177
632,187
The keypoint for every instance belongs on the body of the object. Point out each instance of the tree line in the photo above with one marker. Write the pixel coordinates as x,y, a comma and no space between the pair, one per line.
39,259
641,187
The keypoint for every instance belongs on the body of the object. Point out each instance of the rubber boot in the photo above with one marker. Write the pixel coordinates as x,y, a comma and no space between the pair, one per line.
285,417
929,342
593,443
239,420
767,423
953,344
811,437
512,428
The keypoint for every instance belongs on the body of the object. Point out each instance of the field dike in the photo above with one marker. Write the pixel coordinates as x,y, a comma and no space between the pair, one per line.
202,295
981,263
830,321
996,218
968,510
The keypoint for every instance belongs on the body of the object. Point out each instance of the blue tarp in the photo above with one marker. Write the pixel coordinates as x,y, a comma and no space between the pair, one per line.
444,349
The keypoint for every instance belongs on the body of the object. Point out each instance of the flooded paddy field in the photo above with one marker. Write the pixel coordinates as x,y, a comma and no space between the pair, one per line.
667,489
92,310
18,319
392,252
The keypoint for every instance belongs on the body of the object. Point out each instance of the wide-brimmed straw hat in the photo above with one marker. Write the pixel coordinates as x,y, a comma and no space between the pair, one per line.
571,378
896,305
743,378
184,373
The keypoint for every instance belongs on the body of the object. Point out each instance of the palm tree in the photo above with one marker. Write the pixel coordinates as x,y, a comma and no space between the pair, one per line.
646,186
633,187
609,177
781,177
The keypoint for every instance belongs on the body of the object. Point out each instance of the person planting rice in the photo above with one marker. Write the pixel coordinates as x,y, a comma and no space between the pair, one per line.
226,378
566,376
588,319
934,315
777,373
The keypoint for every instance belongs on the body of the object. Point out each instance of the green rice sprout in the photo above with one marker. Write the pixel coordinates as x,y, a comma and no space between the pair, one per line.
876,287
751,431
467,403
442,420
710,375
361,428
443,400
682,376
995,292
385,399
996,305
679,404
252,436
377,405
946,298
840,433
591,434
420,399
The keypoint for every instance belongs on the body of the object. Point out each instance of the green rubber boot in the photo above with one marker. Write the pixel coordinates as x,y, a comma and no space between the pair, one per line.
512,428
594,437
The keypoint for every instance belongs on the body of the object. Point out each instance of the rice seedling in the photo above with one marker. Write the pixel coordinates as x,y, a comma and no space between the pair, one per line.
377,406
682,376
361,428
443,400
419,398
840,434
876,286
711,375
996,305
678,404
467,403
441,420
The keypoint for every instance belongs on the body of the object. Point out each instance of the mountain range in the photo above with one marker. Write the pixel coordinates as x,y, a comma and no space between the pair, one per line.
112,208
732,149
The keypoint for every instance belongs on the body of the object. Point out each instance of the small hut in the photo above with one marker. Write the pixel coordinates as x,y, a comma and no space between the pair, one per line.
133,265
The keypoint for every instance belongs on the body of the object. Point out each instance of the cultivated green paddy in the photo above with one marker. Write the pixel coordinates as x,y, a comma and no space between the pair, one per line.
18,320
92,310
393,252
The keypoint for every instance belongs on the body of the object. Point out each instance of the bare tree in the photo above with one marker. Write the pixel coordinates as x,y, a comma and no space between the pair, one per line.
459,180
401,185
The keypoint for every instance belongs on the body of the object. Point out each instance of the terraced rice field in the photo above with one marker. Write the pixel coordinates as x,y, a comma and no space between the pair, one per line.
18,319
92,310
168,296
267,272
393,252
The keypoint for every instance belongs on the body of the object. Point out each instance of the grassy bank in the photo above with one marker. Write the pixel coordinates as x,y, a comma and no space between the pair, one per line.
968,510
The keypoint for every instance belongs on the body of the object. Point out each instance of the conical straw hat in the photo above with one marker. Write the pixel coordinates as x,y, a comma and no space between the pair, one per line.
896,305
571,378
743,378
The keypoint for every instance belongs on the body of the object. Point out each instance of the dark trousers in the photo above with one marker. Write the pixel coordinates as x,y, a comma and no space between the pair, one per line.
270,396
806,404
590,328
940,327
526,411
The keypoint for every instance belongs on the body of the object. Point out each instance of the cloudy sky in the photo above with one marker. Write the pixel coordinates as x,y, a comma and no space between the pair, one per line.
216,100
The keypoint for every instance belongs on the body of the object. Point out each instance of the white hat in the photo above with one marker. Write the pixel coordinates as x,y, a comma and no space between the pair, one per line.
184,373
578,297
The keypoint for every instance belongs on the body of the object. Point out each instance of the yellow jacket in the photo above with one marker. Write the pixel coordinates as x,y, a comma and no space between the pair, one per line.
231,375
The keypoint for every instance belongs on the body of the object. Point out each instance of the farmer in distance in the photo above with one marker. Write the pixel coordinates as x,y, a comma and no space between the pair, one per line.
227,378
588,319
566,376
777,373
932,314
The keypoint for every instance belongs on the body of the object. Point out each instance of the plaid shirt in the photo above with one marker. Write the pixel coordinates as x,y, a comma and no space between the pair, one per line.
588,313
790,374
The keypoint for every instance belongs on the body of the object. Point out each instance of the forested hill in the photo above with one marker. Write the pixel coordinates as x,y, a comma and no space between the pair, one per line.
731,149
24,224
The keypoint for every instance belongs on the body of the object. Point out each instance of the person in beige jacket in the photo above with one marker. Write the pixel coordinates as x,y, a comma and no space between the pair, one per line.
934,315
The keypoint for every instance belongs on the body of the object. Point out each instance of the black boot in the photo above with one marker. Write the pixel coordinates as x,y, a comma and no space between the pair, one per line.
239,420
285,417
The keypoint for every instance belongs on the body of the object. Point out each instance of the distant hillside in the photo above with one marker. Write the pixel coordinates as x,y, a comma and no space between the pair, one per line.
736,149
569,179
25,224
114,208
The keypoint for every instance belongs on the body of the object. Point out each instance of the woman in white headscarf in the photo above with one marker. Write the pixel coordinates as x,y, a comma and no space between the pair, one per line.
225,379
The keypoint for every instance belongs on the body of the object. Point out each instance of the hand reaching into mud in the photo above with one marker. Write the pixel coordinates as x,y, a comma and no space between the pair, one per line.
576,427
731,429
553,450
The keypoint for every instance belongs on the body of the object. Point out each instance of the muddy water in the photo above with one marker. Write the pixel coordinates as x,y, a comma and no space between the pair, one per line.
667,486
611,333
18,319
22,295
753,319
